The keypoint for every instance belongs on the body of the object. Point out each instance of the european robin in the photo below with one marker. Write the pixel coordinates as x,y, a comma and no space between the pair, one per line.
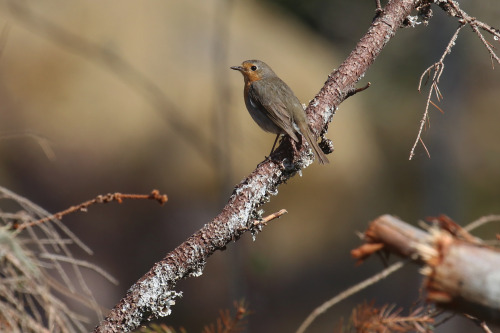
274,106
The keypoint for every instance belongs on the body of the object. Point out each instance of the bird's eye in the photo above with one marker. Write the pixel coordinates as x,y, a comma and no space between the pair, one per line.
253,68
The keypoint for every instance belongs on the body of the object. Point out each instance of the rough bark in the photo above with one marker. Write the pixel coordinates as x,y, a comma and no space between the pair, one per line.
154,294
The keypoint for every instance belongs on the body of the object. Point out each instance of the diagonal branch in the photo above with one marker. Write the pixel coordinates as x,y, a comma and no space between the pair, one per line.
154,294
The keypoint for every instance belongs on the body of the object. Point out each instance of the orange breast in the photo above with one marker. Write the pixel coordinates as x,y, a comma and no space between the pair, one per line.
251,76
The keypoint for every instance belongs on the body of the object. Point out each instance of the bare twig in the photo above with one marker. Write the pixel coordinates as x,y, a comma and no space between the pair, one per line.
482,220
452,8
347,293
81,263
357,90
270,217
437,70
118,197
259,223
448,317
479,323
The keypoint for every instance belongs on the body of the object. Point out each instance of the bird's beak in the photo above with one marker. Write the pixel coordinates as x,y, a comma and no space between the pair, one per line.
237,68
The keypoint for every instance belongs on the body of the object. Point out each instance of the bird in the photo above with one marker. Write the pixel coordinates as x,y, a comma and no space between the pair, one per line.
273,105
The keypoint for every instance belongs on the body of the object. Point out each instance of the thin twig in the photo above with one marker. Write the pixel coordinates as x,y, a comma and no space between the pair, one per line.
357,90
263,221
453,9
347,293
479,323
118,197
448,317
437,68
482,220
475,25
270,217
81,263
493,55
425,147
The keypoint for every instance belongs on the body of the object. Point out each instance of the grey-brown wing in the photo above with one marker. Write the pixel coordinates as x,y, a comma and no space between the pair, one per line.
271,95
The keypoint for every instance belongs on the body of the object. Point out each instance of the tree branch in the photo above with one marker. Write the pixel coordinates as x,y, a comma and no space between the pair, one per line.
153,295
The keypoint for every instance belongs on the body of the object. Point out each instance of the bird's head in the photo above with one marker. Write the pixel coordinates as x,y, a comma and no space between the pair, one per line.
254,70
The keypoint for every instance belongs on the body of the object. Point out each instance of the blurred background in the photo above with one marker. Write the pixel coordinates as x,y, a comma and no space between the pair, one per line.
98,98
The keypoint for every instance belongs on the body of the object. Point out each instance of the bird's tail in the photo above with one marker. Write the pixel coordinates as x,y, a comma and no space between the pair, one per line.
306,132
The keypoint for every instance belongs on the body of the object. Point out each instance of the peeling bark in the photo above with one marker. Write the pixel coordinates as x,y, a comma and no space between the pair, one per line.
462,274
463,277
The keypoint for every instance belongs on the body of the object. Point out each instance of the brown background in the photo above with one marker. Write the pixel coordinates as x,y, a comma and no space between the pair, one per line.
107,134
